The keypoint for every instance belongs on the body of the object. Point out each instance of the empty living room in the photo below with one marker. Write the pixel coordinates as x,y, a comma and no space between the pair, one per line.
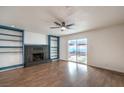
61,46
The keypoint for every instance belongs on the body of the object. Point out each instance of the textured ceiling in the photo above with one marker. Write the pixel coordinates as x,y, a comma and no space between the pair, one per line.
40,18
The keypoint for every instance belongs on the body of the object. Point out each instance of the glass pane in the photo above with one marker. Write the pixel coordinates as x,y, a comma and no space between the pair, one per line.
72,50
82,50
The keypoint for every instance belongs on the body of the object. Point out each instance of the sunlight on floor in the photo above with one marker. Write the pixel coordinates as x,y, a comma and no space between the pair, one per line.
76,67
80,59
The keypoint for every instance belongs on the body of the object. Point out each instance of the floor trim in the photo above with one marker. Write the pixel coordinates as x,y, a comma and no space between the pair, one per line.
117,72
11,67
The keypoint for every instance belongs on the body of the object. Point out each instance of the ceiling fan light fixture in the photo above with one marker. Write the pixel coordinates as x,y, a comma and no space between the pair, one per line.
63,28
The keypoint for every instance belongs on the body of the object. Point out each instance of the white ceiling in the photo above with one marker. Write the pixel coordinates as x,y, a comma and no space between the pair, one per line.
40,18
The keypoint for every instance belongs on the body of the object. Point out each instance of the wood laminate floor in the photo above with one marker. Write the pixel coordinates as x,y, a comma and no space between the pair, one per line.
60,74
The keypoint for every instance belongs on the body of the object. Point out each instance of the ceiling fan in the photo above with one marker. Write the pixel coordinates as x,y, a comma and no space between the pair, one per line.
62,26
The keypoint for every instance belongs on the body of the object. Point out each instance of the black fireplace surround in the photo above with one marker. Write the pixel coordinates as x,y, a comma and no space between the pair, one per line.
35,54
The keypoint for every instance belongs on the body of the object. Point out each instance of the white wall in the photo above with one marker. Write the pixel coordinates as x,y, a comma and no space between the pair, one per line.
105,47
35,38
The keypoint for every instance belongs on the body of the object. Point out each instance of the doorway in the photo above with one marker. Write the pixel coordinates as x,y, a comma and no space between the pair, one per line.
77,50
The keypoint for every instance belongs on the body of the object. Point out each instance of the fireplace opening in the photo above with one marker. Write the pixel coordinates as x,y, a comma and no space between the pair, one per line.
38,56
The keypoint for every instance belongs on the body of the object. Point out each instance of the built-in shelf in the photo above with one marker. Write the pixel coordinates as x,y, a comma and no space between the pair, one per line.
11,47
53,52
12,52
10,35
53,47
54,40
11,40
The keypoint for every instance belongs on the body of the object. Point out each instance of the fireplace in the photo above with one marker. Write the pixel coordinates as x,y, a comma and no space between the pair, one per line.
38,56
35,54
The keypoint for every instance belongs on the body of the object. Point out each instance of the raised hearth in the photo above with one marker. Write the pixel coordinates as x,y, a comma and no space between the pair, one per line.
35,54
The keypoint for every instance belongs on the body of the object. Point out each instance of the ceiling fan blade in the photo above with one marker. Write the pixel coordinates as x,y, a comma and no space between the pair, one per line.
54,27
57,23
69,25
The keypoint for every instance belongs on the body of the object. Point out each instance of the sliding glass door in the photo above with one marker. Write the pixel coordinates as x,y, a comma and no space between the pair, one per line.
77,50
82,50
72,50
